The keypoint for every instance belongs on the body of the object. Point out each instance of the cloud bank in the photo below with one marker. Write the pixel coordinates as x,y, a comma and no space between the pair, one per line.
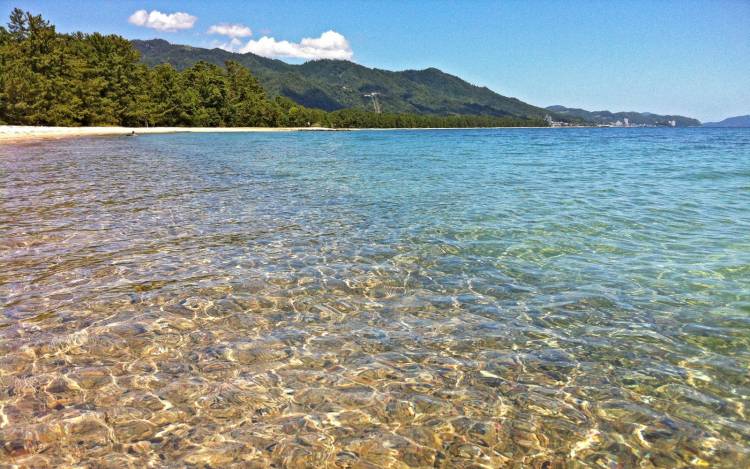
330,45
231,30
169,22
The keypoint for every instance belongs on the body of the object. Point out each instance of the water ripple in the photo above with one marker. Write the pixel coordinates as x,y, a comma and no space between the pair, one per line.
490,298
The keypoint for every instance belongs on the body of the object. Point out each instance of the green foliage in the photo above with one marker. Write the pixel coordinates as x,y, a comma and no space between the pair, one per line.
356,118
48,78
337,84
63,79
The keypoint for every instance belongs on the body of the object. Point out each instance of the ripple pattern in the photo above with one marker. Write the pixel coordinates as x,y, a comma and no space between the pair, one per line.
466,298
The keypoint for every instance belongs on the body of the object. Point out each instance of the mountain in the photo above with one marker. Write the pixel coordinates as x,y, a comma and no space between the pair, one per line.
635,118
738,121
337,84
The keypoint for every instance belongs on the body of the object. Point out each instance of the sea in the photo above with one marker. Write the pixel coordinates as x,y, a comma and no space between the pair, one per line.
405,298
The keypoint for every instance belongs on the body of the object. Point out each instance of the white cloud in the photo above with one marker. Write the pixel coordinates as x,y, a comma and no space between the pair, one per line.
170,22
233,45
330,45
231,30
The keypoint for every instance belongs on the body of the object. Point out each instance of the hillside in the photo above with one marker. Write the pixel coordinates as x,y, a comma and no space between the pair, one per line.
336,84
738,121
637,118
93,80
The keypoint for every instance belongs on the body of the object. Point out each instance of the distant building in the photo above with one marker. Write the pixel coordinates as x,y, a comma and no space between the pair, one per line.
553,123
626,122
673,123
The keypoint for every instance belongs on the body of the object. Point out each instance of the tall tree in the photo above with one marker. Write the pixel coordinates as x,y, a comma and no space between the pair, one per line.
48,78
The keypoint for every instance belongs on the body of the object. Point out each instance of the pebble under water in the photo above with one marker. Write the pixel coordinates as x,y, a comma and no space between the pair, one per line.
540,298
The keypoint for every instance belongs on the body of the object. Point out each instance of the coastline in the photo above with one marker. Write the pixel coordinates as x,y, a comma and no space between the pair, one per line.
22,133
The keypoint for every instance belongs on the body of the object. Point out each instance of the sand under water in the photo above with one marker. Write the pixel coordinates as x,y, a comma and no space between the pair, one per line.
475,298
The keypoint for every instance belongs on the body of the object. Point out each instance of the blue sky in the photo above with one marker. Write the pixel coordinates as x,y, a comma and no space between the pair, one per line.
680,57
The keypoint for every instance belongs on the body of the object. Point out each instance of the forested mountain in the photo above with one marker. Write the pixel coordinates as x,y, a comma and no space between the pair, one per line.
48,78
607,117
738,121
337,84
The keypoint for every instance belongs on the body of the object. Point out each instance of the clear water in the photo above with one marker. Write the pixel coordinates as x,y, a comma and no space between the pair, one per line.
465,298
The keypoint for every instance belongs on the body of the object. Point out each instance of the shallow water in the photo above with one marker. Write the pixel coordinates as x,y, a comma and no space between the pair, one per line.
465,298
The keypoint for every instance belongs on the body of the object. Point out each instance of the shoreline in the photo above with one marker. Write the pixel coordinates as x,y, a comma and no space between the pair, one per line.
23,133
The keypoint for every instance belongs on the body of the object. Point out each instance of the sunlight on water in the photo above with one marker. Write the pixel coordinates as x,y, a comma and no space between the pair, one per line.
466,298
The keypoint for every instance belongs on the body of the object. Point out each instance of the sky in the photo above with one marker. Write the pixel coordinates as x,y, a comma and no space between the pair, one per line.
686,57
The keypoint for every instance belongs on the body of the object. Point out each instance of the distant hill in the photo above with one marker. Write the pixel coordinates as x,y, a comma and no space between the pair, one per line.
337,84
738,121
606,117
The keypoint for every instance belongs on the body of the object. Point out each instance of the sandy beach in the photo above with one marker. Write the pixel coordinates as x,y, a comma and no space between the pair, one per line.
19,133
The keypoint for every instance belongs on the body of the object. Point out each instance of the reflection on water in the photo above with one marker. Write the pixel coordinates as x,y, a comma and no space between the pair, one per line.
522,298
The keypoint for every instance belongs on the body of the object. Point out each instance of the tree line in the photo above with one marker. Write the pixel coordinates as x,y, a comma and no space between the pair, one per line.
49,78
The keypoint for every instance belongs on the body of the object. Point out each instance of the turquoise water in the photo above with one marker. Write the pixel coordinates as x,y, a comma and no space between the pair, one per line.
515,297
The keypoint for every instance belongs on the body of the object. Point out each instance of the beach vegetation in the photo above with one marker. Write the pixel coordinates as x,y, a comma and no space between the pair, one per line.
53,79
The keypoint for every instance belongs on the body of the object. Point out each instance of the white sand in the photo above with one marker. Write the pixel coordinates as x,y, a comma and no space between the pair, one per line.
20,133
17,133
